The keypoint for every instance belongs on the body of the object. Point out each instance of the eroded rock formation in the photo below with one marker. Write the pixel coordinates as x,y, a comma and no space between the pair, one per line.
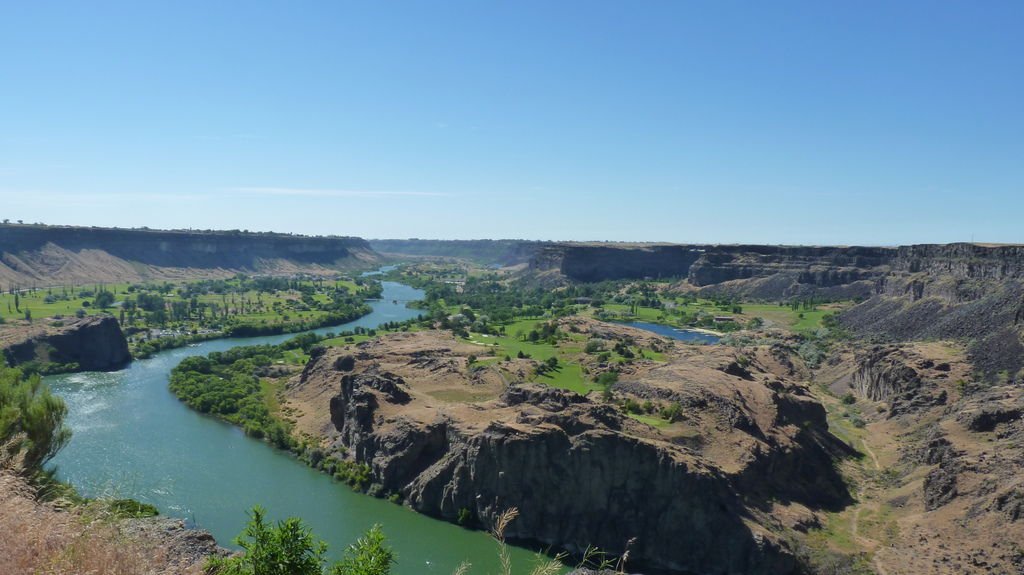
452,443
92,343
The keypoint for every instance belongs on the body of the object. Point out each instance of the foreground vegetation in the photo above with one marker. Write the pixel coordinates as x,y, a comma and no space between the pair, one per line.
289,547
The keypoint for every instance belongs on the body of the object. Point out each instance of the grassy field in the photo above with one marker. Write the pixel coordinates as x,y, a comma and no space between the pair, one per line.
34,301
568,375
81,297
803,321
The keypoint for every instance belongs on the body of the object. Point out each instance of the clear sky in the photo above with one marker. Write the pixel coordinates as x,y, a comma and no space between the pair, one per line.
770,122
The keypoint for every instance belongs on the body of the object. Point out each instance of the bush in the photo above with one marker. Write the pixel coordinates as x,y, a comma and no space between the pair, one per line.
608,379
130,508
672,412
290,548
104,299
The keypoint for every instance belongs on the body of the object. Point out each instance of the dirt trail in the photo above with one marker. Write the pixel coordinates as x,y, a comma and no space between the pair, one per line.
863,505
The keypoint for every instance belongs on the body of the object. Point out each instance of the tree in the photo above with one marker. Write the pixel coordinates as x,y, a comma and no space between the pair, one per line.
31,417
103,299
288,548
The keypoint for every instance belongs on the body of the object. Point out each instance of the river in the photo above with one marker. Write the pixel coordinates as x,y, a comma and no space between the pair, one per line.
689,335
133,438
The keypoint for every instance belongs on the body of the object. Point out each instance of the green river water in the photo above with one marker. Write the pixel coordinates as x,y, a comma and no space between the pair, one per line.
133,438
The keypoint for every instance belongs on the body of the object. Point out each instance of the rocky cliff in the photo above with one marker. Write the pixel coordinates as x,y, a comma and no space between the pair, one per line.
765,271
966,292
962,261
39,254
91,344
699,496
792,270
486,252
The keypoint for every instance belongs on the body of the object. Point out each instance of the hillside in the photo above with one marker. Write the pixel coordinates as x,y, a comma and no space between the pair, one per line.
41,255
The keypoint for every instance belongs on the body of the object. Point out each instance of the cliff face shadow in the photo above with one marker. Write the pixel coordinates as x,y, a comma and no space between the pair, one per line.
808,476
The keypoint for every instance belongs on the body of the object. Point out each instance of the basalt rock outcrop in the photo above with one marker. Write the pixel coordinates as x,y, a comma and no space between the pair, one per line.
750,270
89,344
487,252
42,255
580,471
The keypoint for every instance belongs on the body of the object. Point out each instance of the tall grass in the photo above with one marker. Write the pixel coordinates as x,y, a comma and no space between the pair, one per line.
53,538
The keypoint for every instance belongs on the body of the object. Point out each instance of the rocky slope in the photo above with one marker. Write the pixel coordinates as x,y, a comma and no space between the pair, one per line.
92,344
973,294
751,459
943,481
42,255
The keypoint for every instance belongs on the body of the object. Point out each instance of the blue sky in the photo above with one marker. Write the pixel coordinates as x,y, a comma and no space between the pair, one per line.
768,122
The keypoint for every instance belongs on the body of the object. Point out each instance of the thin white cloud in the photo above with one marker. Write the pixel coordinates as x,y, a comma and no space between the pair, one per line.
333,193
29,197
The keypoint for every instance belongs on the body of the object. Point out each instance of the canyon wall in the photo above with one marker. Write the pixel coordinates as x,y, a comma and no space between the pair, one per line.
53,254
706,265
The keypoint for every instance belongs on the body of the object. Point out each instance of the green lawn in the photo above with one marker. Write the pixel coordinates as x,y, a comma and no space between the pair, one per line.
568,376
798,320
642,313
34,302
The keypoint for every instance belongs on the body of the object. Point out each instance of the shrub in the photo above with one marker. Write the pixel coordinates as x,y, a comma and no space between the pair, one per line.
672,412
31,418
103,299
290,548
608,379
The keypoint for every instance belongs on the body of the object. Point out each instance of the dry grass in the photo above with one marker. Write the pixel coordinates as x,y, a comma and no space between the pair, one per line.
52,539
